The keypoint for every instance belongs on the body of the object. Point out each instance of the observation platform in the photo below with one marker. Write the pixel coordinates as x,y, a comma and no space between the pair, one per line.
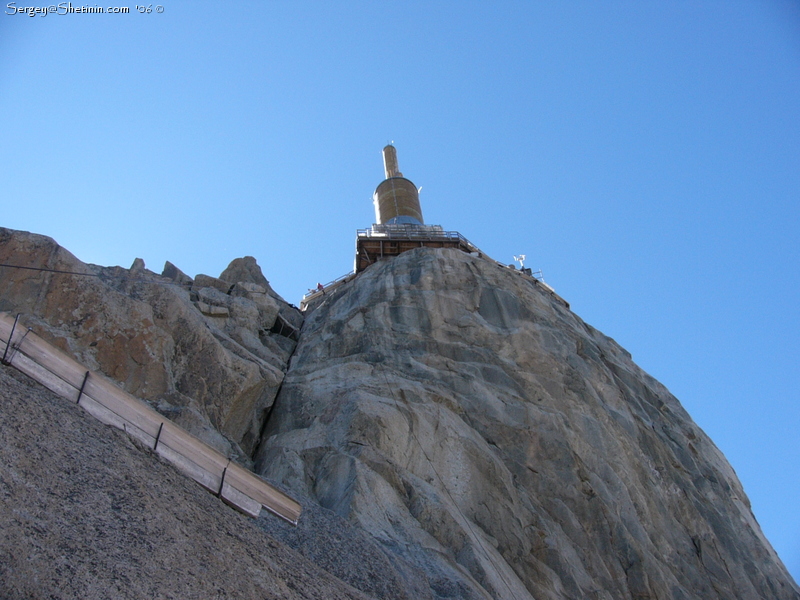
387,241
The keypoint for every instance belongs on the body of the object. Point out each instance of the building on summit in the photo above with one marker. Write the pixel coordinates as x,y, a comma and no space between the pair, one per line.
399,225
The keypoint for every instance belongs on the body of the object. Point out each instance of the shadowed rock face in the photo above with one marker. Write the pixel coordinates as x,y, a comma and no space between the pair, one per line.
484,434
201,351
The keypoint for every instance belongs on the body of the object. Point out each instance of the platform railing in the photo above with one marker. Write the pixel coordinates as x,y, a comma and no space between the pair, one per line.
331,285
431,233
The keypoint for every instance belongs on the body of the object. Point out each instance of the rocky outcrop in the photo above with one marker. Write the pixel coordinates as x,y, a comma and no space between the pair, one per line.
203,351
502,448
451,428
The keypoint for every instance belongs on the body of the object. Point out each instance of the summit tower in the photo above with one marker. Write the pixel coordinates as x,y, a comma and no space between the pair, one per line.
396,199
399,225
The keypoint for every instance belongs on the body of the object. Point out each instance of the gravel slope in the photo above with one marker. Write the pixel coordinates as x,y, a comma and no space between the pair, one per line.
87,514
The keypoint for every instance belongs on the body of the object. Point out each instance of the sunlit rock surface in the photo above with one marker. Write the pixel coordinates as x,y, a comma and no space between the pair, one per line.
202,352
484,434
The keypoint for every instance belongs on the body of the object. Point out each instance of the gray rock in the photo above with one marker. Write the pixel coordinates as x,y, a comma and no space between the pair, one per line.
486,436
248,280
211,295
172,272
148,335
245,270
245,288
206,281
212,311
138,267
268,307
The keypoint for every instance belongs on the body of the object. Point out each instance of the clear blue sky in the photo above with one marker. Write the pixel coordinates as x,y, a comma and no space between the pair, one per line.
645,155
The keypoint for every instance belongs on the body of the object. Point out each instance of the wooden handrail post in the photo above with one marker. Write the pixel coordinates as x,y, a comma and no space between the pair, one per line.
83,385
8,343
158,435
222,480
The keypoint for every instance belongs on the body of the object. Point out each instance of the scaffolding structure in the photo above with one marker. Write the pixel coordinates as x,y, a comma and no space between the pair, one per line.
387,241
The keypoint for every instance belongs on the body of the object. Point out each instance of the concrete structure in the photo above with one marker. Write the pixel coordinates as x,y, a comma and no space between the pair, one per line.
396,199
399,225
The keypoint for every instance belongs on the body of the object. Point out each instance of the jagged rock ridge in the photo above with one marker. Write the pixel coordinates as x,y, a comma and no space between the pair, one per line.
204,352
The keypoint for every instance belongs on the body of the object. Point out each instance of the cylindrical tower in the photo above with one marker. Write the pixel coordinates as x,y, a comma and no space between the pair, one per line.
396,199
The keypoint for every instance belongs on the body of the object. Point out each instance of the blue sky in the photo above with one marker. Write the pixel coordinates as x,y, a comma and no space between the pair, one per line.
645,156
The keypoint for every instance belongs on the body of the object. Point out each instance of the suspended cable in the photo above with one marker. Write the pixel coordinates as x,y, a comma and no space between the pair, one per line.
98,275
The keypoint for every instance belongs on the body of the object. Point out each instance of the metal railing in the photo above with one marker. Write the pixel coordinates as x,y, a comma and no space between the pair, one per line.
311,294
404,232
424,233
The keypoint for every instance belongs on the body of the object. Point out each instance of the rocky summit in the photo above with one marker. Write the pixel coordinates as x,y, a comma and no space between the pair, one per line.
451,427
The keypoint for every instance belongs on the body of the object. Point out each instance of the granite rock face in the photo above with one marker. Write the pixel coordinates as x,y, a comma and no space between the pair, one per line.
203,351
502,448
451,428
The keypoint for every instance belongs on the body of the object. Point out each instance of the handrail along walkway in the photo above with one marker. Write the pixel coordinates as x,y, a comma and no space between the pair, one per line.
232,483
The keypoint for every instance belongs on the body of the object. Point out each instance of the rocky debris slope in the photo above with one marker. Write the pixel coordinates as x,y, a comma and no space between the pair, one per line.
500,447
210,353
86,514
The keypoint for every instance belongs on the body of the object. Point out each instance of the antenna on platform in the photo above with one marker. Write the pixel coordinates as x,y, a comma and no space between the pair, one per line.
521,260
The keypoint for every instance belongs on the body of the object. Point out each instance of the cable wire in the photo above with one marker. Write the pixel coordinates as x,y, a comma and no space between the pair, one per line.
98,275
